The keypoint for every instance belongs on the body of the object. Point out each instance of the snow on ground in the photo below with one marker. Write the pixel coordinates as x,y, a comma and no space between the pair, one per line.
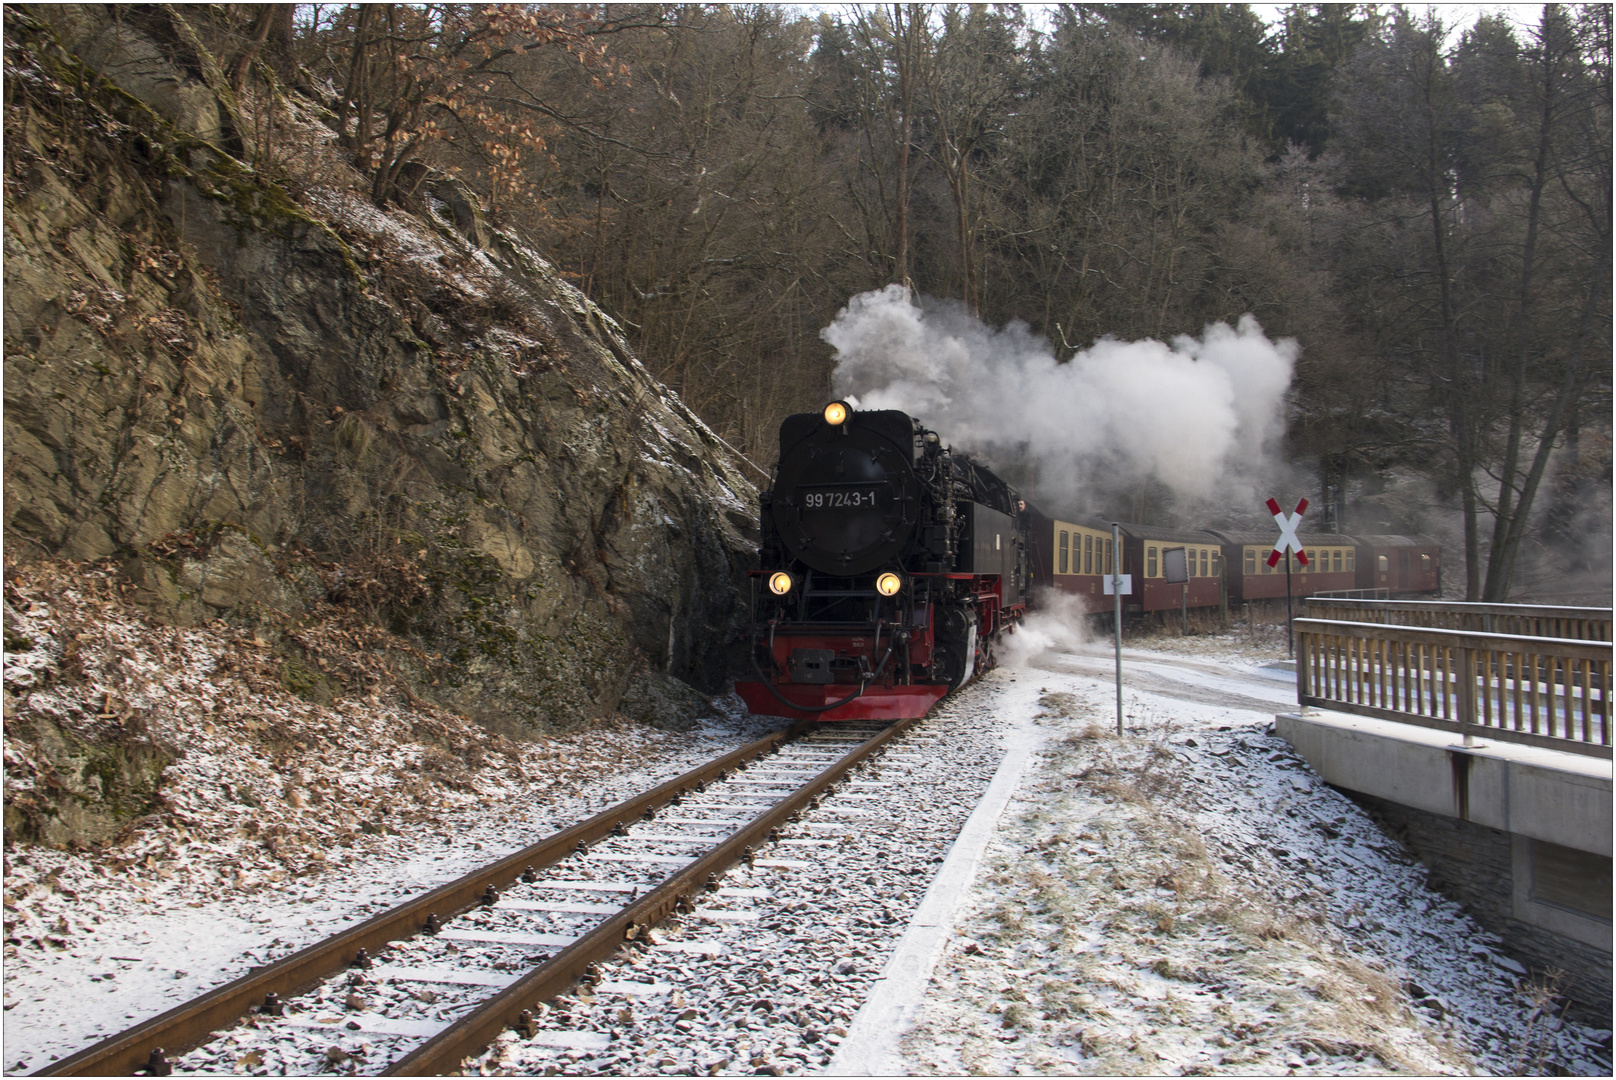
1188,899
1192,899
280,821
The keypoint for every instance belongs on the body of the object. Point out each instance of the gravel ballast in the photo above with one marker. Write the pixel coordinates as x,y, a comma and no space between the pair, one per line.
1189,898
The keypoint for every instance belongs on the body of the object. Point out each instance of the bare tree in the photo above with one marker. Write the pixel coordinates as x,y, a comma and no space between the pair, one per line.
1501,298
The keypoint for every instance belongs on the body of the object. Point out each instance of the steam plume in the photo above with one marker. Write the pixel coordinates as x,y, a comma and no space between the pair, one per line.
1056,625
1198,414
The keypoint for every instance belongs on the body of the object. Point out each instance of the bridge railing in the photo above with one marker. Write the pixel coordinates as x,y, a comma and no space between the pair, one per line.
1539,691
1351,594
1528,620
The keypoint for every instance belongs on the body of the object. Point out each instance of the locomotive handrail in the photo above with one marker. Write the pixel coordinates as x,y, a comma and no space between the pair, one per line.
1534,620
1539,691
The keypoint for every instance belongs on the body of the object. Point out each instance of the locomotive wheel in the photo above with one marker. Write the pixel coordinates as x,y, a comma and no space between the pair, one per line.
953,635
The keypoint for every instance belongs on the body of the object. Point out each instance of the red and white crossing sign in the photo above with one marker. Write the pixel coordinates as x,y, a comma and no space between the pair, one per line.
1288,524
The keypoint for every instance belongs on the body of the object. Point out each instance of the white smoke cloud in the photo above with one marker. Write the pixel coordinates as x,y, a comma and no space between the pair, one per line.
1057,625
1198,414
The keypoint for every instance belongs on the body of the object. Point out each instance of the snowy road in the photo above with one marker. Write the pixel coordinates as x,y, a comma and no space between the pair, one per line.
1263,689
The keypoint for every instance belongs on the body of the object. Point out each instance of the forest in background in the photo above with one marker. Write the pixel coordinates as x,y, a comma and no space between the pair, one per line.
1426,212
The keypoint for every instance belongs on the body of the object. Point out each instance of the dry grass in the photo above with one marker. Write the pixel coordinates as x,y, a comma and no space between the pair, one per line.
1118,911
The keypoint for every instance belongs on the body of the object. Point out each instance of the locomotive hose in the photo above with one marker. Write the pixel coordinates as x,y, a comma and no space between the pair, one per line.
864,681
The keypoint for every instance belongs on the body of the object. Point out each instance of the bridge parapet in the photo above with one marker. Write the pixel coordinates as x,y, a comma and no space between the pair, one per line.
1488,754
1528,620
1549,692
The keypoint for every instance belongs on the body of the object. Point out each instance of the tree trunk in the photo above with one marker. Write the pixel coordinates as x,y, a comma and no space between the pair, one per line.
257,35
904,49
1504,553
1501,554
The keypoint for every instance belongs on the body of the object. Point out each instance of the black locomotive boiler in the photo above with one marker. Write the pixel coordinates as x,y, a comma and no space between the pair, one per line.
890,566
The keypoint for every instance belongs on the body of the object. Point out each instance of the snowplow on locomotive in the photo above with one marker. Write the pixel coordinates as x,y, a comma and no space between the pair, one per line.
889,568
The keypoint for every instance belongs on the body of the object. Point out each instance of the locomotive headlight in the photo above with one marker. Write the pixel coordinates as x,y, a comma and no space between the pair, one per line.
780,583
836,413
888,584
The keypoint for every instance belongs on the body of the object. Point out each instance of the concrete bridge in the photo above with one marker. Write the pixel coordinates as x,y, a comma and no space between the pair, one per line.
1488,753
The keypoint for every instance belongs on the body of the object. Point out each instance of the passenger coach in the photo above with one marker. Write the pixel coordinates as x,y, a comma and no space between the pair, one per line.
1332,565
1400,565
1074,556
1144,554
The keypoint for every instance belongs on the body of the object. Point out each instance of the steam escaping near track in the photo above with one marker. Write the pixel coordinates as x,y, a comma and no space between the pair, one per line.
1055,626
1198,414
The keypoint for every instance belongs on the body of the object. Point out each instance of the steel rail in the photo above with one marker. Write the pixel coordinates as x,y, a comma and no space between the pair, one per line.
446,1051
189,1025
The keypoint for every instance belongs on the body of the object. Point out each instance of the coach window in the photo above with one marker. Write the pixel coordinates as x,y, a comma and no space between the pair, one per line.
1150,562
1088,554
1425,562
1204,563
1108,569
1065,539
1266,568
1383,563
1251,561
1337,560
1352,559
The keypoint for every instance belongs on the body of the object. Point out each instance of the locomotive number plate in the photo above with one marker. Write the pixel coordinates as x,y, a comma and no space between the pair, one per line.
841,497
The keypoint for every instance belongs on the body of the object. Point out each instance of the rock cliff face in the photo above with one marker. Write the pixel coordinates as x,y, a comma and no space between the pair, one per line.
264,400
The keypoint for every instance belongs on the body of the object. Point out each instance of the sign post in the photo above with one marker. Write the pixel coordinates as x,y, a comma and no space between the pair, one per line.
1287,542
1116,591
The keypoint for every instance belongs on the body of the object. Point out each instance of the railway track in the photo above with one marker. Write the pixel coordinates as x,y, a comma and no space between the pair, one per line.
437,979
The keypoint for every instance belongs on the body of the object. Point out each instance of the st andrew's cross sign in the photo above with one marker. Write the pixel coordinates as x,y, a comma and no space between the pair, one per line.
1288,524
1288,541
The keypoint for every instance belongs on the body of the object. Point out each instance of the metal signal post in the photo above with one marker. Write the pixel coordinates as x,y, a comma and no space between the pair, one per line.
1116,593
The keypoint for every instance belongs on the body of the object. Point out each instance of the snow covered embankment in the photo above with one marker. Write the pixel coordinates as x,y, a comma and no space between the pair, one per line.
274,821
1192,899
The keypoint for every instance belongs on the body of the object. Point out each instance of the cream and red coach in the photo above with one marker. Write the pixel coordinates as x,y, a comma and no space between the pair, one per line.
1073,556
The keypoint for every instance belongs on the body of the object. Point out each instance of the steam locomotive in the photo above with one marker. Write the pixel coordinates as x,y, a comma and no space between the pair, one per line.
890,566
